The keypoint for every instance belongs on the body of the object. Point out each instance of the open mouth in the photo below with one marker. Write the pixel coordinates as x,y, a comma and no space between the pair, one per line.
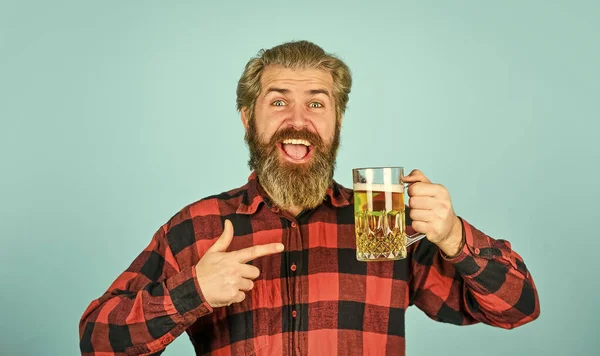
296,150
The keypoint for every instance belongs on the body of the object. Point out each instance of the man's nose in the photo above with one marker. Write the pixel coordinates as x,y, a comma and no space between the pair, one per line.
298,118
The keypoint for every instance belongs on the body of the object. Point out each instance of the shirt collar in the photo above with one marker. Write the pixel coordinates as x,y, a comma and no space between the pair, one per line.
255,195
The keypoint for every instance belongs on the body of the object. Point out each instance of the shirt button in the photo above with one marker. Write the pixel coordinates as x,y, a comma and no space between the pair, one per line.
293,314
293,267
477,251
294,224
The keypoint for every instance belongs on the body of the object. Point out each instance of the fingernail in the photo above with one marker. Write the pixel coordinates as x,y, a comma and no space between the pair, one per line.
279,247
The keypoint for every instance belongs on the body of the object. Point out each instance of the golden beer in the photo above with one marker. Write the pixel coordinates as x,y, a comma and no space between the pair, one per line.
379,222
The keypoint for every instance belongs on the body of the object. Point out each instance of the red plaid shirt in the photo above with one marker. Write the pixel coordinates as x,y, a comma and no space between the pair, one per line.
314,298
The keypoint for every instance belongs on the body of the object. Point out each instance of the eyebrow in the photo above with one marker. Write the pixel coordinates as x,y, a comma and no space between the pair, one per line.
277,90
318,91
286,91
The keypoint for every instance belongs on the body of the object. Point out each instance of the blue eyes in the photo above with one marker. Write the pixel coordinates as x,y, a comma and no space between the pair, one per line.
314,104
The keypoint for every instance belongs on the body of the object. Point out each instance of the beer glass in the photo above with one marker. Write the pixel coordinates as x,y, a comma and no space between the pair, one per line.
379,208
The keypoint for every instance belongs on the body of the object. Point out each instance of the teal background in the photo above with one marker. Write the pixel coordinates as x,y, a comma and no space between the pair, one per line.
116,114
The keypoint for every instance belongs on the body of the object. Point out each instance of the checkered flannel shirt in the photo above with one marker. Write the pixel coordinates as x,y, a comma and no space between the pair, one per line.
315,298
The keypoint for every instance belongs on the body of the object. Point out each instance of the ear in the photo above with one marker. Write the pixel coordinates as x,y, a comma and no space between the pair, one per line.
244,117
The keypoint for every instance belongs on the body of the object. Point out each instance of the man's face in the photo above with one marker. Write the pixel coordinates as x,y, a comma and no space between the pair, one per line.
294,135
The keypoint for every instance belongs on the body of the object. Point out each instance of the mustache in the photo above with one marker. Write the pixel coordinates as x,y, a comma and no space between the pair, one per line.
291,133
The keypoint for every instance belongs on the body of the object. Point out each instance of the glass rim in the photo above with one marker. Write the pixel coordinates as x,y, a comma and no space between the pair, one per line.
377,168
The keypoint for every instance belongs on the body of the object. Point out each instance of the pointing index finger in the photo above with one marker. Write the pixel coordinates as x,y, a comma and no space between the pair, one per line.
251,253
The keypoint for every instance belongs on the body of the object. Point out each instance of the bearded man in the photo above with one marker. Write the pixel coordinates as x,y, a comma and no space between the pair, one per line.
270,268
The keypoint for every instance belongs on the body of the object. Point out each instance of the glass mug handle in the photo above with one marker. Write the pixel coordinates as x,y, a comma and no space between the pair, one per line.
414,238
411,239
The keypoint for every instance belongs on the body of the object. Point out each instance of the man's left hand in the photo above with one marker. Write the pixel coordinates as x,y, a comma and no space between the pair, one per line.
432,213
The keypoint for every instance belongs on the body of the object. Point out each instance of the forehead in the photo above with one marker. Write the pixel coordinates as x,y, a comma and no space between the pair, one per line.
310,77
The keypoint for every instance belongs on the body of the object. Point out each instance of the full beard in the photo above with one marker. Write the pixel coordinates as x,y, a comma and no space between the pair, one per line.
288,184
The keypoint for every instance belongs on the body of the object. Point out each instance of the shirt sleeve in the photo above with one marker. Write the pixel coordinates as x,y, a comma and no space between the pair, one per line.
146,307
486,282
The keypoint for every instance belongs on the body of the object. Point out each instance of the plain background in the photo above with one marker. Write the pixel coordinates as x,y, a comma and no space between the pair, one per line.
114,115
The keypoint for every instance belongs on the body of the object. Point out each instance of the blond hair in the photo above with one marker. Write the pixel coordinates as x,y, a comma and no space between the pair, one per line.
293,55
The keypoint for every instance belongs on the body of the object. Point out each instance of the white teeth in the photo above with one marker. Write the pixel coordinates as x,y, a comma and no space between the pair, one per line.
296,142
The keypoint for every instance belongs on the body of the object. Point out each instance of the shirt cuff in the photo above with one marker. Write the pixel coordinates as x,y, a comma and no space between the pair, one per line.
186,294
473,244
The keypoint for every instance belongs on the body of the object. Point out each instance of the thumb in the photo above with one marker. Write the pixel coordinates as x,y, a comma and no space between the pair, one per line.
224,240
415,176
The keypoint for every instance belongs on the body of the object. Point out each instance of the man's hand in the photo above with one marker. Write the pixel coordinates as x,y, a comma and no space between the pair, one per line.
225,276
432,213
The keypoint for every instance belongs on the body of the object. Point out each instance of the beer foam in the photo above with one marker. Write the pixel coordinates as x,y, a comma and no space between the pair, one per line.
393,188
